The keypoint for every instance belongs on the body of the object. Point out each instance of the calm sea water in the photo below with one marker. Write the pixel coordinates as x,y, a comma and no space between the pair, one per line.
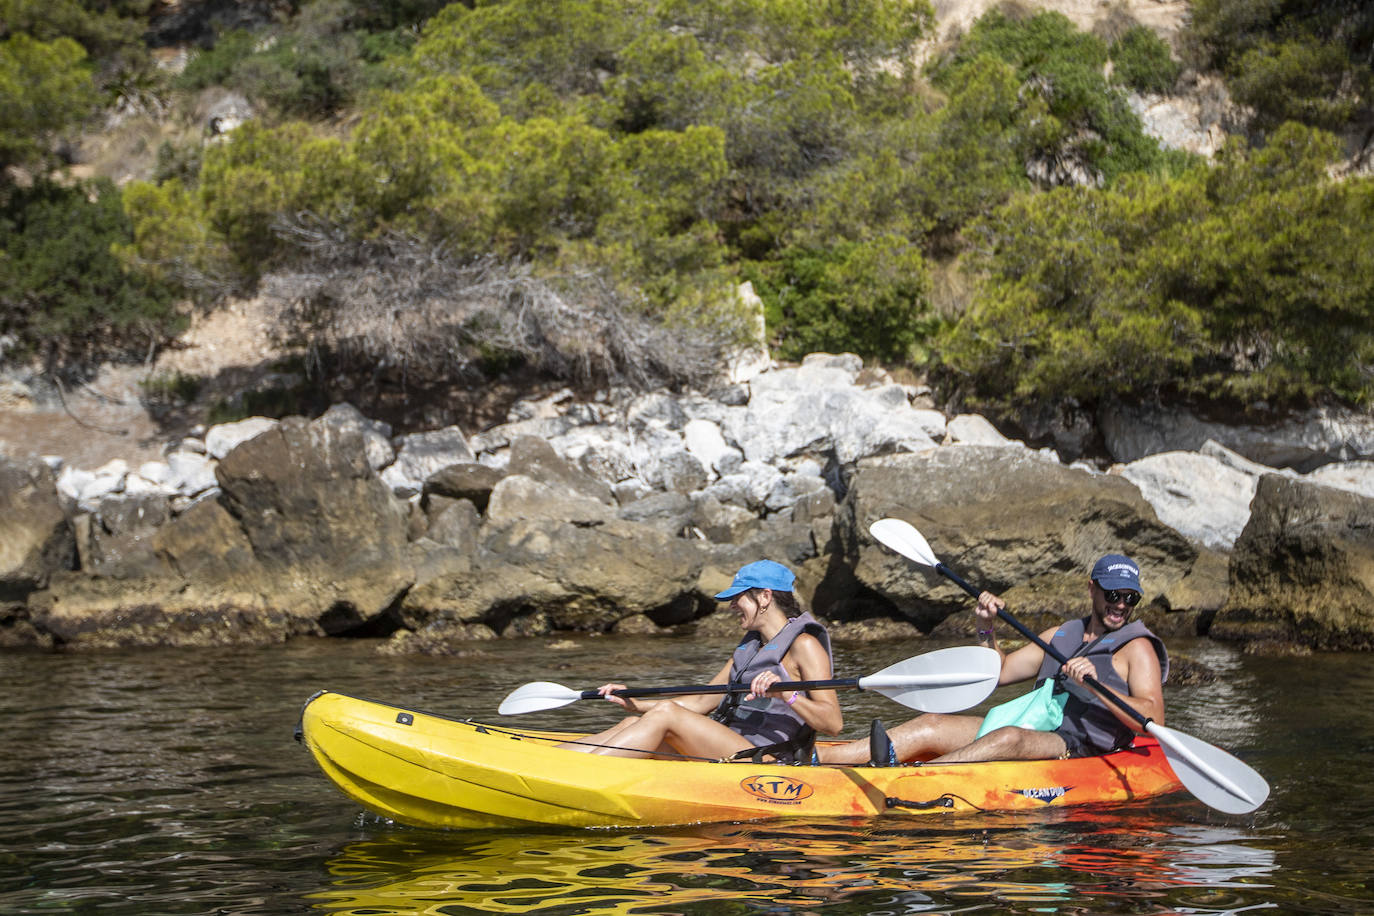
168,782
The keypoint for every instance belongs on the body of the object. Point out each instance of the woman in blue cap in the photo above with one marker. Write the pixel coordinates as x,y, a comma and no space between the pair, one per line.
781,643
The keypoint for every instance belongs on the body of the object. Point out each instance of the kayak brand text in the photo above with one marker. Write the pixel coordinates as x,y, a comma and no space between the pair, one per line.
781,790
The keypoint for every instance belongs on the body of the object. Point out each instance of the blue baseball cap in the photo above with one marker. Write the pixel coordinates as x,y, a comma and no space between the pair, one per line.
1114,571
762,574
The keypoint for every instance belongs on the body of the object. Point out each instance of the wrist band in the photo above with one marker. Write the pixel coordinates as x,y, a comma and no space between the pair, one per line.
984,632
793,698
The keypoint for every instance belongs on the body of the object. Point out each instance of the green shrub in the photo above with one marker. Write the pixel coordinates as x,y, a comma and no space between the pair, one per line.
1304,60
65,294
1244,280
170,389
1302,80
249,186
44,88
865,298
1084,115
1142,61
172,241
215,66
313,67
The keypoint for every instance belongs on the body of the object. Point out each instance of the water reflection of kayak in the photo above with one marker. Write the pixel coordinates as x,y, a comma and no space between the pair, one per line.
428,770
1140,858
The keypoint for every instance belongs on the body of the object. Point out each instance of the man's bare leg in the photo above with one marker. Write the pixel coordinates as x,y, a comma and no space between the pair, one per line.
918,738
1008,743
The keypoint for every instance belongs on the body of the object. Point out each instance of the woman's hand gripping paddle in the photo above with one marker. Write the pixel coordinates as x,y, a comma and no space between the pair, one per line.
946,680
1214,776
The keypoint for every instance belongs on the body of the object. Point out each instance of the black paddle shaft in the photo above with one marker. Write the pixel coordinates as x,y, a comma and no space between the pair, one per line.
632,692
1050,650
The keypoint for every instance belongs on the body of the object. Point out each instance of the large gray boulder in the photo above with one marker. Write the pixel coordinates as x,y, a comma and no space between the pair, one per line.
1007,519
421,455
534,574
536,458
207,589
35,539
375,433
319,519
117,539
468,480
1303,569
304,538
519,497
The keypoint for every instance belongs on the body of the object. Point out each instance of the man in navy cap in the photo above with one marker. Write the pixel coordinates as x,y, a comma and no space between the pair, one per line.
1121,654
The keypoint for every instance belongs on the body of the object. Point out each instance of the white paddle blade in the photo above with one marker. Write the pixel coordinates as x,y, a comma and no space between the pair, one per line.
536,696
946,680
1219,780
903,538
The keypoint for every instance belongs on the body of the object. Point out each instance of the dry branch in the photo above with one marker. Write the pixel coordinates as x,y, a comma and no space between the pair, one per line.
400,302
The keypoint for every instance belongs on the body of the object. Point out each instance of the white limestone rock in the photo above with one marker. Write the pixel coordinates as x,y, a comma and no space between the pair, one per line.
1355,476
191,472
1302,442
376,434
705,440
1197,495
222,439
971,429
421,454
818,408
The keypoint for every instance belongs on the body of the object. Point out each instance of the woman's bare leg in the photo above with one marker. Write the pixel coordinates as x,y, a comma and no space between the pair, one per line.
611,735
685,730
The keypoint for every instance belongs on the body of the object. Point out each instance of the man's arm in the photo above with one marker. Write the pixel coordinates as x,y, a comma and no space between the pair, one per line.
1021,665
1024,663
1143,679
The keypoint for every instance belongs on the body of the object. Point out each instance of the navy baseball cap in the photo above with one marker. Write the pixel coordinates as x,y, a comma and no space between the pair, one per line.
762,574
1114,571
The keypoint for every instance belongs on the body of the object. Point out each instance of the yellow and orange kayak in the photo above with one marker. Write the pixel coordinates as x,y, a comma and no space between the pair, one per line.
429,770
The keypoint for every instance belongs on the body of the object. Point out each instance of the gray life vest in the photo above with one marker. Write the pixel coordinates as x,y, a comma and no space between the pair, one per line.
768,720
1087,717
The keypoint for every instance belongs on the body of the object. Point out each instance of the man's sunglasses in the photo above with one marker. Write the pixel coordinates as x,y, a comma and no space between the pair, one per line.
1116,596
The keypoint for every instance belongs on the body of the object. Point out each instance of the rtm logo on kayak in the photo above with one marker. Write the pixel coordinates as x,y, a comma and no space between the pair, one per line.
782,790
1047,794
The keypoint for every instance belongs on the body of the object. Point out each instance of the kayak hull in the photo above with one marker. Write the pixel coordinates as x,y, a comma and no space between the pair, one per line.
427,770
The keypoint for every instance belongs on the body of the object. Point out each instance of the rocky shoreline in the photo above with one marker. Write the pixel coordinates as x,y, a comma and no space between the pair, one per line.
625,513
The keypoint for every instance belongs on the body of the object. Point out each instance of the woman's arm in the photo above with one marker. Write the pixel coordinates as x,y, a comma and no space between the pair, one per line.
807,660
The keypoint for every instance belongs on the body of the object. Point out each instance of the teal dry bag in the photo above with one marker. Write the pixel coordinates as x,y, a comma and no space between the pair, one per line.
1040,710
